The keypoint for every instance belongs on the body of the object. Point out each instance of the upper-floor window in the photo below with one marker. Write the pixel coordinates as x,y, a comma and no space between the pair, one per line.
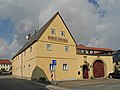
30,49
62,33
49,47
66,48
53,31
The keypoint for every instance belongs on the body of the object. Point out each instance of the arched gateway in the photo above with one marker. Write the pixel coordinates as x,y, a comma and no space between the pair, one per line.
98,69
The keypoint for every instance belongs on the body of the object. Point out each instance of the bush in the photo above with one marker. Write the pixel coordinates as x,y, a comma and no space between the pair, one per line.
92,77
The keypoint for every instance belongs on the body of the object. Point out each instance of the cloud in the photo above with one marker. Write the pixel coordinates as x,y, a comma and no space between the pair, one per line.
78,15
7,50
90,25
4,49
24,16
108,27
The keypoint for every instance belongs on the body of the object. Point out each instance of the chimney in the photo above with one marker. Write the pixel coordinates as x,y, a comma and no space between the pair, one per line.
28,36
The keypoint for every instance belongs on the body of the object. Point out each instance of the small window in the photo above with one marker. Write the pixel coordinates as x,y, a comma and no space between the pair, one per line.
65,67
66,48
53,31
62,33
51,67
30,49
49,47
78,72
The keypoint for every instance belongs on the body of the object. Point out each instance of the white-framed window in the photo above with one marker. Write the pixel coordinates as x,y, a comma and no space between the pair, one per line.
49,47
65,67
62,33
53,31
30,49
66,48
51,67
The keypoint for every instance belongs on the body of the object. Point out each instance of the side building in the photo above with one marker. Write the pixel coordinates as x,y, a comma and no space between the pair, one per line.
95,62
52,53
5,65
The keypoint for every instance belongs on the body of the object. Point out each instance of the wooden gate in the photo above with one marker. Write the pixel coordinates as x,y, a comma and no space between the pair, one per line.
85,72
98,69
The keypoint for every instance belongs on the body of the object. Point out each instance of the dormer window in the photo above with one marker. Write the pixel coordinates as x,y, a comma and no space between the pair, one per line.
62,33
53,31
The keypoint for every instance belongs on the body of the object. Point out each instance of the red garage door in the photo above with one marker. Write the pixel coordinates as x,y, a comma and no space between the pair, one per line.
98,69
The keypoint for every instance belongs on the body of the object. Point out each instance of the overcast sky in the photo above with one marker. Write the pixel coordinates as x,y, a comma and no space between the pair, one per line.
91,22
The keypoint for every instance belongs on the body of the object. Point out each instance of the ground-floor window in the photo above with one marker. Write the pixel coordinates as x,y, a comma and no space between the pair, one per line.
51,67
65,67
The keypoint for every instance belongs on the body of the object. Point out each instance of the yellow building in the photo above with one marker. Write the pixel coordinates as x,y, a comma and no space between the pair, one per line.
52,53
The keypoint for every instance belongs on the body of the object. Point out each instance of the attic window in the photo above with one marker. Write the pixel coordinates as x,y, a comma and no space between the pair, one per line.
53,31
62,33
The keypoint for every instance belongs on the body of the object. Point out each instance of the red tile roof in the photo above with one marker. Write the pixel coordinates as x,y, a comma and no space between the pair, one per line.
5,61
93,48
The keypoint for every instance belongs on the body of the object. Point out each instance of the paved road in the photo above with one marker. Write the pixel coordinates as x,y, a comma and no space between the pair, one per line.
92,84
10,83
108,86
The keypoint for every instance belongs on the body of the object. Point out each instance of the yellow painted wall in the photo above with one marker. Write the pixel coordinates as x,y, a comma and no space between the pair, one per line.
21,62
59,26
40,58
60,74
107,60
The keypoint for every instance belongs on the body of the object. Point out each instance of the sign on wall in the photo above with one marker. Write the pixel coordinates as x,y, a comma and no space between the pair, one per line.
54,62
59,39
